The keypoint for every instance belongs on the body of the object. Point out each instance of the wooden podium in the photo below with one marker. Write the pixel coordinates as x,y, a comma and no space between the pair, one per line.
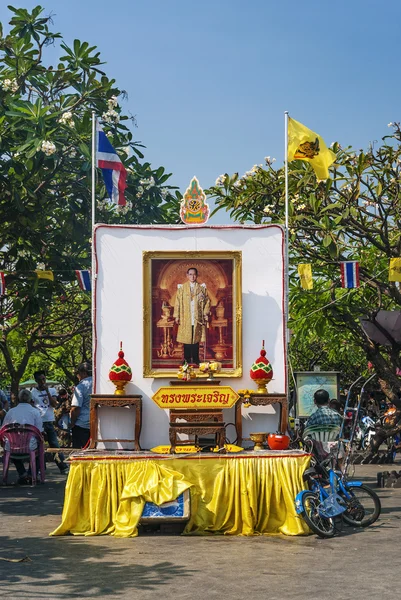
117,402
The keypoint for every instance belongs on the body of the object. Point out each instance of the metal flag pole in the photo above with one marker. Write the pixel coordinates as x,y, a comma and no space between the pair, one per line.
286,261
93,171
93,221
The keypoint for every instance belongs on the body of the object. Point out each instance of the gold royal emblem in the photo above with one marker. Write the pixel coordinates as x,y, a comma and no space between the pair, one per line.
194,208
308,150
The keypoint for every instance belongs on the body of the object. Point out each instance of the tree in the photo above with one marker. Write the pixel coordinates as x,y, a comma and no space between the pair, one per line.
45,183
354,215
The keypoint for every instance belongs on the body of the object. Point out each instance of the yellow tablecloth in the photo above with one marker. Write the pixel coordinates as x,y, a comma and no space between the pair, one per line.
236,495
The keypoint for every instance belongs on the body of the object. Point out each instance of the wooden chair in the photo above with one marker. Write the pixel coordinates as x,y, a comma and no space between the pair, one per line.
16,441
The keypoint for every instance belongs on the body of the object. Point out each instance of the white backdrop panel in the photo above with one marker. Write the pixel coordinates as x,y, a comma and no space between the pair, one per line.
119,309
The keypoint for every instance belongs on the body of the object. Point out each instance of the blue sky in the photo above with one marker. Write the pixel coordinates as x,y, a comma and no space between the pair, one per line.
209,82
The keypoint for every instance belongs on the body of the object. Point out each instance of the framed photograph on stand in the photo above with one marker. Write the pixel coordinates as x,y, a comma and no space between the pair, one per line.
212,282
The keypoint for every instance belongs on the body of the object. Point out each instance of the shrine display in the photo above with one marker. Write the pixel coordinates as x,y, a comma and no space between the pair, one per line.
120,373
191,303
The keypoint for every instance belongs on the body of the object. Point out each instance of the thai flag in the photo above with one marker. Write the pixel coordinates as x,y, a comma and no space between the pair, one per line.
2,284
84,280
114,172
350,274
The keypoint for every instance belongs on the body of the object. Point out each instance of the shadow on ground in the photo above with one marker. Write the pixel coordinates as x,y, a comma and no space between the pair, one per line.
95,569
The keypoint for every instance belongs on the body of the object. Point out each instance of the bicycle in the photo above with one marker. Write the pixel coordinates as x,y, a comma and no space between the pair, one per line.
332,495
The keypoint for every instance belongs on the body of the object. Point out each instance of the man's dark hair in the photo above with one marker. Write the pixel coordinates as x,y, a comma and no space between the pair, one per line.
62,392
85,367
38,373
193,269
321,397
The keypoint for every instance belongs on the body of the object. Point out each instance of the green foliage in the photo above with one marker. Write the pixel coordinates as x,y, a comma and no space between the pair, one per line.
354,215
45,177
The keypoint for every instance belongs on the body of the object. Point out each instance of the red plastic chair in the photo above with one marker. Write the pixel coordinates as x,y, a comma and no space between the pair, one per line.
19,437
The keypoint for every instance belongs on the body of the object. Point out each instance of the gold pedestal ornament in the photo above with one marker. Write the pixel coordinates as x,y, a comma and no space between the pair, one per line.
259,439
120,387
262,383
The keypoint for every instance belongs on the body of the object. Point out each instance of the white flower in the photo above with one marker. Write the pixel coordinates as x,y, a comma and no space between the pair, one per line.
10,84
112,102
41,266
127,150
111,116
268,210
48,147
301,206
291,230
269,161
123,210
238,183
164,193
390,124
255,169
72,153
23,254
102,204
220,180
148,183
66,119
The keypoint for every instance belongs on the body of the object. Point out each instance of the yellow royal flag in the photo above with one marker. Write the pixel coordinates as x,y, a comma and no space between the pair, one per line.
304,144
305,275
44,274
394,273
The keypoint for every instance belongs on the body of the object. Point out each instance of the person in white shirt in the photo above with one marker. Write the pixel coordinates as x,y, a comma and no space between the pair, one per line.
45,400
24,414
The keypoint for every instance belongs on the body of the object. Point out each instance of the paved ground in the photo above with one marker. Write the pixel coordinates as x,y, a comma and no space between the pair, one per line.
358,564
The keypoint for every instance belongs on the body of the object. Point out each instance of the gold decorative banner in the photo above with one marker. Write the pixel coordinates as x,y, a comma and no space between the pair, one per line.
395,269
206,396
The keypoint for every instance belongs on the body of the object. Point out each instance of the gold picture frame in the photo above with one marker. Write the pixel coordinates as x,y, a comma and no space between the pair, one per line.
221,272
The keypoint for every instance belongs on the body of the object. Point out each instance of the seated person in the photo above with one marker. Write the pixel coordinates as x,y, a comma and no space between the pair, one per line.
323,426
4,406
24,414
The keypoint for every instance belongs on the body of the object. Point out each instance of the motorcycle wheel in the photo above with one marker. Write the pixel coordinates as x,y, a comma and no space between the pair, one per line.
364,506
322,526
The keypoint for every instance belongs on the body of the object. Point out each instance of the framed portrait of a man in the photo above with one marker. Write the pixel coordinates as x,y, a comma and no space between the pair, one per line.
192,311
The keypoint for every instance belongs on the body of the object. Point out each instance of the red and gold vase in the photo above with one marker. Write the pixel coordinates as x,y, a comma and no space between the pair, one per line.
120,373
261,371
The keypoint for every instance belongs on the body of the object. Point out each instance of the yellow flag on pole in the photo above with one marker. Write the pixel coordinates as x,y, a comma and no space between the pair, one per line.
305,275
305,144
394,273
44,274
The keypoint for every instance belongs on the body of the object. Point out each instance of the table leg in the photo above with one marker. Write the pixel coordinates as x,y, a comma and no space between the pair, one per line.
238,422
138,426
284,416
173,440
